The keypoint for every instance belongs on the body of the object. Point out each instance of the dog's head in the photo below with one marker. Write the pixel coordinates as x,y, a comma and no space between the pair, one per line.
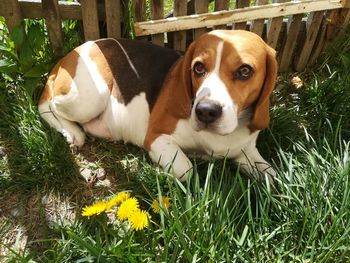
223,74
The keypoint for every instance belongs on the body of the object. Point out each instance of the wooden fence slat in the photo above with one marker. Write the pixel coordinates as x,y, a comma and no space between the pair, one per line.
241,4
219,6
113,18
293,29
237,15
319,43
53,24
346,18
33,9
200,7
312,27
90,19
336,20
139,12
257,26
274,26
180,9
157,12
12,12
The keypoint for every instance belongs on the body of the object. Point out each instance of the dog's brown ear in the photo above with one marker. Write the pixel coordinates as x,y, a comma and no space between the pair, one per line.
179,86
261,115
175,100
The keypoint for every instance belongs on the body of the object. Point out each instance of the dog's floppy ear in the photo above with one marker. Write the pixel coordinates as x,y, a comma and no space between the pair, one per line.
261,115
179,85
175,100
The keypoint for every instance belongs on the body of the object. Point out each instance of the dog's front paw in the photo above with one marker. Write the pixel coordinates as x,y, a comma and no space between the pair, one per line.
170,157
75,139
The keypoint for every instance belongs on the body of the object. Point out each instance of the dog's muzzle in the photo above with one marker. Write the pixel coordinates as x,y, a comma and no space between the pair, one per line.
208,111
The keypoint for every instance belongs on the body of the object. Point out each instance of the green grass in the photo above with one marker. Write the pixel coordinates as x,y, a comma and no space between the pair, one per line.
219,216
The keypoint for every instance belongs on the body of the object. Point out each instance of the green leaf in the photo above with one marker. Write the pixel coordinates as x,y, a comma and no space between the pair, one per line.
36,36
8,52
31,85
26,57
37,71
8,66
18,35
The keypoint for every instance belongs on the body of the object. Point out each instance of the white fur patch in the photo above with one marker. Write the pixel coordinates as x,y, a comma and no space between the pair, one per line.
88,95
122,122
213,88
212,144
170,157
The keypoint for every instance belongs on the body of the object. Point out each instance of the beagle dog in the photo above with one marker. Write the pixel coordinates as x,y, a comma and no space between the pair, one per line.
213,101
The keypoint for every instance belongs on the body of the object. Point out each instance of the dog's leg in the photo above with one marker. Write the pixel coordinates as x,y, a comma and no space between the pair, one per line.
170,157
70,130
253,163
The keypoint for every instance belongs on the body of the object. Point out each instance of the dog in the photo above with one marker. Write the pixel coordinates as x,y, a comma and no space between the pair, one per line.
212,101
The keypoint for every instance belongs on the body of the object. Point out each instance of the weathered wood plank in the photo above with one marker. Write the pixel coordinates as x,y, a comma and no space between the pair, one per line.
336,20
157,12
319,43
33,9
113,18
139,12
237,15
219,6
312,27
180,9
10,9
346,18
241,4
90,19
200,7
274,28
293,29
257,26
53,24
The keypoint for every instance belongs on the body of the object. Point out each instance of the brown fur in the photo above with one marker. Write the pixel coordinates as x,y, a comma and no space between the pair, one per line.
174,101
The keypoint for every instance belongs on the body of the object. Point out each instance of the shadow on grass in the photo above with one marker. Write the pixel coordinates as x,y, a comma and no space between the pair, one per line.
42,184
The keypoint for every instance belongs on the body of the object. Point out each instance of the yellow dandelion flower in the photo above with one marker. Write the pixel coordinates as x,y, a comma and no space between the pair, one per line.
165,204
118,199
127,208
94,209
138,220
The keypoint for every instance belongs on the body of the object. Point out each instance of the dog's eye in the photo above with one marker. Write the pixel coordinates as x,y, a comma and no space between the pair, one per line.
244,72
199,69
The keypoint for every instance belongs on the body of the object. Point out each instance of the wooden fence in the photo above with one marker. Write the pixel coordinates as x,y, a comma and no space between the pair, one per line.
299,29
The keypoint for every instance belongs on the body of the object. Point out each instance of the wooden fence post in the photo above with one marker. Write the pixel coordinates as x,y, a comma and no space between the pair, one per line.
257,26
53,24
90,19
221,5
12,13
180,9
274,26
293,29
113,18
200,7
157,12
241,4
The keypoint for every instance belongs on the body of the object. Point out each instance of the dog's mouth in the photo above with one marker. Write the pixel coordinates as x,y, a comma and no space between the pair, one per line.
212,117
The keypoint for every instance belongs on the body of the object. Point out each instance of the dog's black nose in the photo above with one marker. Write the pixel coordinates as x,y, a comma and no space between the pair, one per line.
208,111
